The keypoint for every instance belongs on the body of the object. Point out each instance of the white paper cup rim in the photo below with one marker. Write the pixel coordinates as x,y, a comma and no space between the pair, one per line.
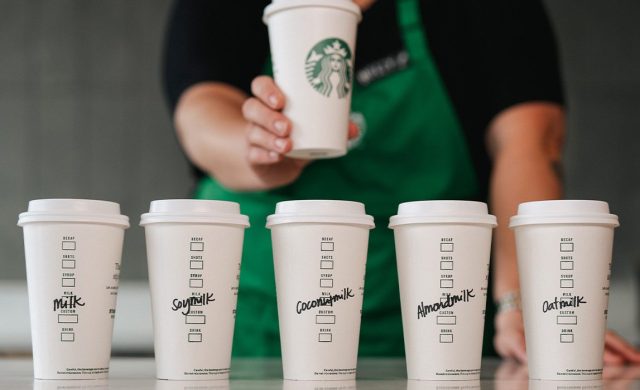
320,211
572,212
198,211
73,211
443,212
281,5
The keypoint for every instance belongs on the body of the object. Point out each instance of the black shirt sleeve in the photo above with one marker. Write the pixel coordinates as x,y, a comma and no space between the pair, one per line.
211,40
492,55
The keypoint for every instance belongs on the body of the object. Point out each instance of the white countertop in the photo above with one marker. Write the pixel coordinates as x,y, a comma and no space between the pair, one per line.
266,374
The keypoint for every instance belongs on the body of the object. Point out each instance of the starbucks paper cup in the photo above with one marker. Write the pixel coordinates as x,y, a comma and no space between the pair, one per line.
312,49
564,261
443,250
320,253
194,248
73,249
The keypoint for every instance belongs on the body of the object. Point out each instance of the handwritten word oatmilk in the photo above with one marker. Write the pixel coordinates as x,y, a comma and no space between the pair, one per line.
564,261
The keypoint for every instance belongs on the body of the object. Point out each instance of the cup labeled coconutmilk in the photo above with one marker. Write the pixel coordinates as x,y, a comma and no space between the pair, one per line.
319,253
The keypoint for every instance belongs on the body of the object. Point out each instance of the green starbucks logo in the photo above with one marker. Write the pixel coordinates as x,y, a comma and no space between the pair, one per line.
328,67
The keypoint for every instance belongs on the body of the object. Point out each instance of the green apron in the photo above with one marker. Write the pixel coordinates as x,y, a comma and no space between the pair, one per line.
413,149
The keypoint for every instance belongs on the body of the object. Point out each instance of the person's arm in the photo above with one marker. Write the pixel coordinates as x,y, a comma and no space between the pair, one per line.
525,144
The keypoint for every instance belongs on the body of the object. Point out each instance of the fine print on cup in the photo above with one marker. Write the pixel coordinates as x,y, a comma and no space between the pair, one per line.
443,250
73,249
194,249
564,261
312,49
320,253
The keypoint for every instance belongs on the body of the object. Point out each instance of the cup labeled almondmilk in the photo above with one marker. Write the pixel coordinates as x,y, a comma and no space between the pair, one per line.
564,261
312,49
73,249
319,253
194,249
442,250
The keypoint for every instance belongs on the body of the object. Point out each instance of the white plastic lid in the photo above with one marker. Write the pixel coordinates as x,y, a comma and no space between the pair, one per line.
443,211
194,211
73,210
320,211
281,5
592,212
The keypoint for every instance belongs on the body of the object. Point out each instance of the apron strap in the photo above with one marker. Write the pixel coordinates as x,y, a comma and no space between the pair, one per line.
410,22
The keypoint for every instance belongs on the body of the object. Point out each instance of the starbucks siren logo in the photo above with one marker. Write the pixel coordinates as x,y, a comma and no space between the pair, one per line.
329,67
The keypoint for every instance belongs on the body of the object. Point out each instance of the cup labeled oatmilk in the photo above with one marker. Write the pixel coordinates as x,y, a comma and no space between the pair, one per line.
73,249
443,250
319,253
194,248
312,49
564,261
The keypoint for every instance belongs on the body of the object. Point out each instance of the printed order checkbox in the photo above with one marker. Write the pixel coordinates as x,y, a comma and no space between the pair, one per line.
196,283
67,318
323,319
325,337
446,320
566,265
195,319
566,247
566,283
446,247
567,320
196,246
68,264
68,282
68,245
327,246
194,337
326,283
566,337
446,265
67,336
326,264
446,283
446,338
196,264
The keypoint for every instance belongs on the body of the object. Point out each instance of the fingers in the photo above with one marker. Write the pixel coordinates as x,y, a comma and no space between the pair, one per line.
265,147
354,131
611,358
265,89
617,345
257,112
511,347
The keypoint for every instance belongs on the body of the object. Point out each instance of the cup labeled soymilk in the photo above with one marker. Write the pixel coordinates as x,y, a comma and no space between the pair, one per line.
564,261
319,253
73,249
194,249
443,250
312,49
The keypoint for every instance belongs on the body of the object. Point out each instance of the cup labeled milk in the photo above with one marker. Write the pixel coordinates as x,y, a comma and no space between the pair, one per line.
564,261
194,249
73,249
319,253
312,49
443,249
